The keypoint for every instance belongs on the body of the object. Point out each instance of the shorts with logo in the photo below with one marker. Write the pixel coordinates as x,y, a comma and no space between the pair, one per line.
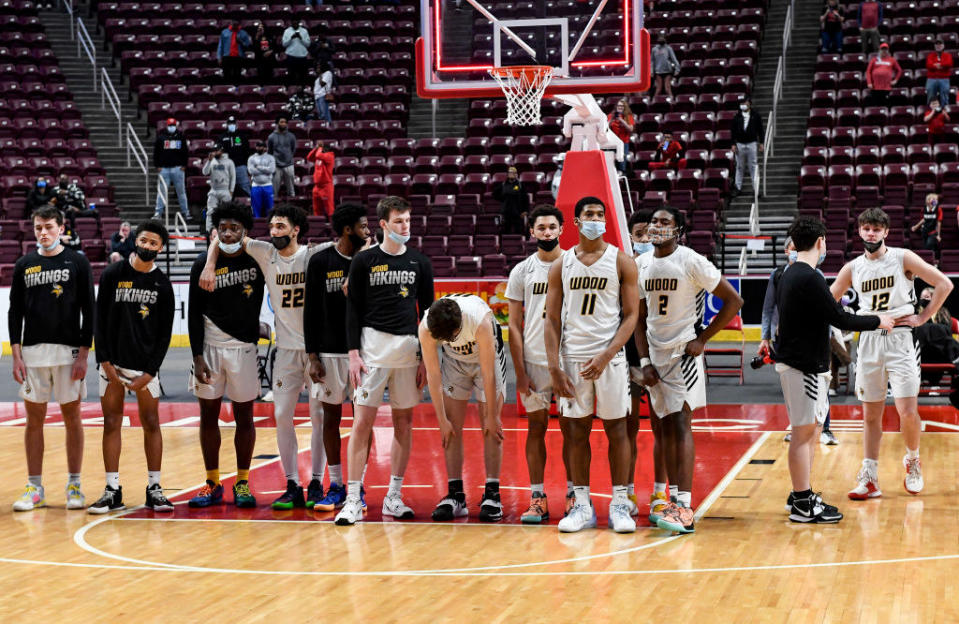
887,358
609,394
291,371
127,375
401,383
682,381
233,374
335,387
461,379
46,383
806,395
540,398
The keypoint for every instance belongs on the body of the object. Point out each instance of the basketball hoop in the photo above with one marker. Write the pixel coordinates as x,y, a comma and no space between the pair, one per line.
523,86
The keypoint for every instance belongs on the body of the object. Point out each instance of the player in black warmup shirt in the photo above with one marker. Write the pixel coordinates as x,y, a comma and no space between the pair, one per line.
390,288
52,289
133,328
324,331
224,328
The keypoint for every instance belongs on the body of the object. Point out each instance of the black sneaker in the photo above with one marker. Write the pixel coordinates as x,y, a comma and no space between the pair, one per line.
812,510
112,500
293,497
491,509
156,500
314,493
789,501
452,506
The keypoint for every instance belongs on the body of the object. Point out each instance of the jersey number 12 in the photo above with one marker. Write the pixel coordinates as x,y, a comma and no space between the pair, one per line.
880,302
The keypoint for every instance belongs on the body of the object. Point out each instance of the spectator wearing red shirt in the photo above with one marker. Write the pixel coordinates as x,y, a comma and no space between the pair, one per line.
621,122
936,117
882,75
938,71
668,154
870,16
931,223
322,180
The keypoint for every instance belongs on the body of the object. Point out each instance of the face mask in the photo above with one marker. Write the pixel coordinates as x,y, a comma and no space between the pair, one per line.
147,255
793,256
230,248
934,203
743,107
280,242
41,185
357,241
171,129
872,247
547,245
641,248
63,185
55,244
399,239
660,235
231,128
592,229
261,151
822,257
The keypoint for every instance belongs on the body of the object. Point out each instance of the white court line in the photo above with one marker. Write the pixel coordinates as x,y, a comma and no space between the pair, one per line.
737,467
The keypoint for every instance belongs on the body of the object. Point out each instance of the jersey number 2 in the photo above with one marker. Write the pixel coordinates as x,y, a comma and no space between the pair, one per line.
293,297
880,302
663,304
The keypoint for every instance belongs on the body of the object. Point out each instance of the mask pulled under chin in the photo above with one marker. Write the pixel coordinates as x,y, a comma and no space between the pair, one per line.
52,247
280,242
147,255
399,239
230,248
872,247
547,245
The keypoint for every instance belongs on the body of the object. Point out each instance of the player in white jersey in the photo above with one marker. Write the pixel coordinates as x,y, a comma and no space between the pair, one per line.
883,279
526,292
591,312
283,262
670,281
474,360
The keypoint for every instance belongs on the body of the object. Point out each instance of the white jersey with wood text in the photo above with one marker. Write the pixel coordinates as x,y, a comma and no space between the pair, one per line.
591,307
672,287
882,285
286,283
472,310
527,283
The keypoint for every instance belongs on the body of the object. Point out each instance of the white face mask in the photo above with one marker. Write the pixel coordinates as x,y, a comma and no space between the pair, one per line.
231,128
229,248
592,229
744,108
171,129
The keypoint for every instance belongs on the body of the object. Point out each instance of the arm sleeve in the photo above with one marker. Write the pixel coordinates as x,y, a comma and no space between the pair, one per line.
251,169
872,63
769,304
207,165
197,302
219,47
311,156
895,64
85,294
287,36
314,306
270,169
820,298
164,329
929,61
356,301
15,313
184,152
104,298
673,60
759,127
425,292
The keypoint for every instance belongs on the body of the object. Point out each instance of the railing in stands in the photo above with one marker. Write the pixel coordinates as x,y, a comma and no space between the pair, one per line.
135,150
778,82
108,95
68,7
85,45
754,219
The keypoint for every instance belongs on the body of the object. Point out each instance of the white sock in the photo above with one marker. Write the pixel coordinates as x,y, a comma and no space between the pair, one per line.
353,488
582,494
912,454
73,478
569,488
870,464
396,484
153,477
537,488
35,480
620,494
684,499
673,492
659,488
336,473
113,480
630,489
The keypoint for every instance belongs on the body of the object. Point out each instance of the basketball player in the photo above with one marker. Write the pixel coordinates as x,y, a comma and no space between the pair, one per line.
591,313
526,292
474,359
224,328
133,328
671,279
283,263
390,287
51,330
324,313
883,280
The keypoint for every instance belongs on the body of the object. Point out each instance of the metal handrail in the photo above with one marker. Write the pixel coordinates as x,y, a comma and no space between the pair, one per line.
85,44
109,95
136,150
68,7
742,261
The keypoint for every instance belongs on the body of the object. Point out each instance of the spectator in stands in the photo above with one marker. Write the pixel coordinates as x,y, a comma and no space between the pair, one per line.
222,179
71,201
121,243
281,144
621,122
882,75
937,118
938,71
231,51
296,46
237,147
323,90
322,180
831,24
322,50
40,195
559,159
515,203
170,156
665,66
930,225
301,105
937,346
747,134
668,154
261,167
869,17
263,54
69,237
942,315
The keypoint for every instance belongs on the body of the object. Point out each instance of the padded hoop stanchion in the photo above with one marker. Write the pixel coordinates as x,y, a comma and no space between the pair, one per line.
592,173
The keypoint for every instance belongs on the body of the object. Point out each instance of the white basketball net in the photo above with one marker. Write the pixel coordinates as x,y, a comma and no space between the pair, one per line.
524,87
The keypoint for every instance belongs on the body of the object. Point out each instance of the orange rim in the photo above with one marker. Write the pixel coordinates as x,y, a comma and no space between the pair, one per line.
531,72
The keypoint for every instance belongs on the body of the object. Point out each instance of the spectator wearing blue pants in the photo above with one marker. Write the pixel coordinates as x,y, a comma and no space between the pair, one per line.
831,22
261,167
170,154
938,72
322,88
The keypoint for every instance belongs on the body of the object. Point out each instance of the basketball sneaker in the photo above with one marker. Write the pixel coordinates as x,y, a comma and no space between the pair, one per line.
812,510
570,502
913,481
677,518
867,485
351,512
31,498
620,519
452,506
579,517
657,503
292,497
633,504
75,498
491,509
209,494
157,501
789,501
334,499
363,499
112,500
828,438
314,493
538,511
393,505
242,496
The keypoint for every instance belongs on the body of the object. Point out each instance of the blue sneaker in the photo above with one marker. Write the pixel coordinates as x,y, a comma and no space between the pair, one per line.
334,499
363,498
209,494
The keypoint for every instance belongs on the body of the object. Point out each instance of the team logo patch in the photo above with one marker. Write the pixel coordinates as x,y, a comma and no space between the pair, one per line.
328,392
449,389
404,292
365,394
247,290
57,290
279,383
144,311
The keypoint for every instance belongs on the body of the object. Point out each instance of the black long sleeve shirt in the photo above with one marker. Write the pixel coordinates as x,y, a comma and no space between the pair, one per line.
170,150
324,309
806,311
51,300
233,306
134,317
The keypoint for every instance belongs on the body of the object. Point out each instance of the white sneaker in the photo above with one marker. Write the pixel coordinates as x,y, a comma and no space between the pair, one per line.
867,486
393,505
579,517
619,518
913,481
633,507
75,498
351,512
31,498
827,438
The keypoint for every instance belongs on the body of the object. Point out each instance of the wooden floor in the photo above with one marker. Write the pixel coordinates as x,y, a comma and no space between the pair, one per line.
895,559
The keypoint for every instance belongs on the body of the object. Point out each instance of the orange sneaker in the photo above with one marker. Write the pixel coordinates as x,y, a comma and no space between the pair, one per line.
538,511
677,519
570,502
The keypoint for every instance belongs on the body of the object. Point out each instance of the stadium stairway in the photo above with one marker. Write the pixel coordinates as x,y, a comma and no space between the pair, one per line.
778,208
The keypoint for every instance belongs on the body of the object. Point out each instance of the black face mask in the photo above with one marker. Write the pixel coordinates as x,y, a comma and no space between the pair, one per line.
147,255
357,241
280,242
872,247
547,245
63,185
